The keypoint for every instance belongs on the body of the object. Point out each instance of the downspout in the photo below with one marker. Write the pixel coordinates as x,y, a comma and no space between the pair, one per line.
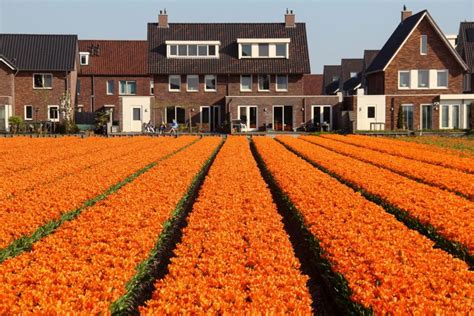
13,92
93,94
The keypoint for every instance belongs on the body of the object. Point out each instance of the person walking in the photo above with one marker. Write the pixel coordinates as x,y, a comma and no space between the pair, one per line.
174,128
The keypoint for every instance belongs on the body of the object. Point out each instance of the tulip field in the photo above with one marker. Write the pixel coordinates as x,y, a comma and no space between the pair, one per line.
321,225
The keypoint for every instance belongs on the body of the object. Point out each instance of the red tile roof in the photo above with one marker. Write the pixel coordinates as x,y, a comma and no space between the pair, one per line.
313,84
115,57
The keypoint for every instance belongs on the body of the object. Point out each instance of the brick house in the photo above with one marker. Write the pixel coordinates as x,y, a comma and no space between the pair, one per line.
113,77
239,76
418,70
35,72
465,48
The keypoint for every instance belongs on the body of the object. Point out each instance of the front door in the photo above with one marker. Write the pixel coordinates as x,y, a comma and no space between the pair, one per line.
2,118
322,117
248,117
408,117
283,118
137,119
426,117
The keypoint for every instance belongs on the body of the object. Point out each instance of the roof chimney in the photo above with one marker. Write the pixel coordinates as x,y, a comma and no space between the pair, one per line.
163,19
405,13
289,19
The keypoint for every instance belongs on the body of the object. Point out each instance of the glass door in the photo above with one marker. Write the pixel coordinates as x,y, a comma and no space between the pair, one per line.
288,118
278,118
2,118
321,115
206,118
216,117
426,117
248,117
408,117
455,117
282,117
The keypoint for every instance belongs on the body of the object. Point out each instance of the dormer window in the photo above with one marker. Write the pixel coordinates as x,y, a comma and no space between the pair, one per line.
84,58
192,49
263,47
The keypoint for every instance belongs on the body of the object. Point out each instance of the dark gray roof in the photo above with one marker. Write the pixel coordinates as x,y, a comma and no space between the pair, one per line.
347,66
228,61
34,52
465,45
330,86
394,42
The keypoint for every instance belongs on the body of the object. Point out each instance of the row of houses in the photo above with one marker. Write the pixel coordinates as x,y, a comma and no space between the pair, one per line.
221,77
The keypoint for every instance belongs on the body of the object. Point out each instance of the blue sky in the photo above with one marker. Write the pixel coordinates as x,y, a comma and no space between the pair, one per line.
336,29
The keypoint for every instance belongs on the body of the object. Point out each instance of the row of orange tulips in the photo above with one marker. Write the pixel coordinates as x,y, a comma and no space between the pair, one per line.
235,256
445,178
85,264
450,214
25,213
388,267
93,152
409,150
37,151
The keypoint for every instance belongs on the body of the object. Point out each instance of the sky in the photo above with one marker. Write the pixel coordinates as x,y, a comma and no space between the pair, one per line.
336,29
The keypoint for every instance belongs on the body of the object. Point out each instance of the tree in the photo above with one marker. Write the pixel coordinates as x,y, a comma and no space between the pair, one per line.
401,119
67,111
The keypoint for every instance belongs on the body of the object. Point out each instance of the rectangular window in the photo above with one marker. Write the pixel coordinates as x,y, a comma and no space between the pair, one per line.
128,88
202,50
335,78
175,113
43,81
445,116
246,83
467,82
173,50
152,87
28,112
263,50
442,78
353,74
192,50
78,86
182,50
174,83
423,78
212,50
53,113
84,59
110,87
210,83
371,112
424,44
137,114
455,117
246,50
282,83
404,79
280,50
263,82
192,83
170,114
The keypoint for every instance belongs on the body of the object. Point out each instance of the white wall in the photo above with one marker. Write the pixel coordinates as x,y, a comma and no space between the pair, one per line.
363,102
131,101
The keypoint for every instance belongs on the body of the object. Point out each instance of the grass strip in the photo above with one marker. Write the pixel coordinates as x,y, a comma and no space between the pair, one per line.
454,248
140,287
336,286
25,243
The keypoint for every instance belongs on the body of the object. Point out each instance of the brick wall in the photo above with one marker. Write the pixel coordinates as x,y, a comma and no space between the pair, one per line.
92,104
39,98
438,57
416,101
6,83
375,83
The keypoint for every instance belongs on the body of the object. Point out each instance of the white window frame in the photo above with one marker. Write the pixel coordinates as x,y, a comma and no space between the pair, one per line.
206,77
424,36
152,87
276,83
49,112
251,83
169,83
86,55
187,83
43,74
216,44
32,112
127,92
447,78
399,79
418,78
269,83
246,108
107,87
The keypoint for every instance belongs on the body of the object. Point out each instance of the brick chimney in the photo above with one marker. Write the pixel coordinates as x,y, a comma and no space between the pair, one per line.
405,13
289,19
163,19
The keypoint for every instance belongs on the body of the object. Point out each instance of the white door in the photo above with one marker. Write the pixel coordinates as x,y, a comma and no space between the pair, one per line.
248,117
137,118
321,115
